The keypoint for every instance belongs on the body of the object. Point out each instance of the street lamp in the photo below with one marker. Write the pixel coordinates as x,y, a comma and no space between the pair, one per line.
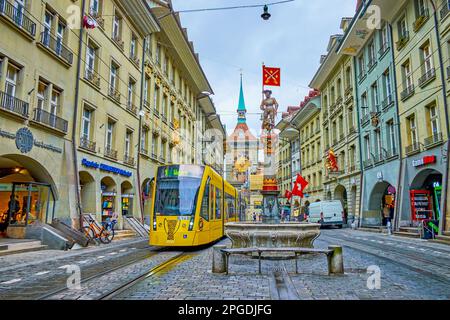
266,15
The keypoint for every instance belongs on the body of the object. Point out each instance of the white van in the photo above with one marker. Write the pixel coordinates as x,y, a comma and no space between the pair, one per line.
327,213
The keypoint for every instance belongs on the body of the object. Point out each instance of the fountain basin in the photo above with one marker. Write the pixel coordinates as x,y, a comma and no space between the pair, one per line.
282,235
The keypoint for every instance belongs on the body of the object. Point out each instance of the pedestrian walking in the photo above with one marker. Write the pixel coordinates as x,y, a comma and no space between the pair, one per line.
254,217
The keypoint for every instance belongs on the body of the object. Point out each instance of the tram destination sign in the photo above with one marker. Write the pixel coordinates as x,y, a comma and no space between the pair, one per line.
178,171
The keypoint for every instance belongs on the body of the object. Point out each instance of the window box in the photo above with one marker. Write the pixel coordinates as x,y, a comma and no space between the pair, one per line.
401,43
420,21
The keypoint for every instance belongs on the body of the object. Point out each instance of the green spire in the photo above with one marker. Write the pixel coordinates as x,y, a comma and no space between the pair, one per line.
241,108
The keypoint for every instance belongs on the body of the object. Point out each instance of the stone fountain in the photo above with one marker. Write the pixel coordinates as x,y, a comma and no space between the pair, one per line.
271,233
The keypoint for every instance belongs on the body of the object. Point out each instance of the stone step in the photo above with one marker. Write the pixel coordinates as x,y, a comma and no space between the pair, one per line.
413,230
407,234
21,246
371,229
444,239
124,234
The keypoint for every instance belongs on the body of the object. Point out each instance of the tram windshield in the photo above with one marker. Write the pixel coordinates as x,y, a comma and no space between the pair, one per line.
177,197
177,194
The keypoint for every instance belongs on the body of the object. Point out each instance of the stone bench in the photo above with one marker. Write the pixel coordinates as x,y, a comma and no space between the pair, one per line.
222,254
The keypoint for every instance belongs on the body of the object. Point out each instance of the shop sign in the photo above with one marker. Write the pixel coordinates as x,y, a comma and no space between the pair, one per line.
25,141
128,196
109,194
104,167
424,161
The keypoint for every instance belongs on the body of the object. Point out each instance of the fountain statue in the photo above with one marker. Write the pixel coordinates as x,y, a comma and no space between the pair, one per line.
270,232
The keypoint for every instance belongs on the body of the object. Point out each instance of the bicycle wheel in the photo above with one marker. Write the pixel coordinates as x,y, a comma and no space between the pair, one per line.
107,235
88,232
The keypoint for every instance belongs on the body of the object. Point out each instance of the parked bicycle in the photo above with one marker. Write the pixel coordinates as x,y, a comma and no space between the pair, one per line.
104,234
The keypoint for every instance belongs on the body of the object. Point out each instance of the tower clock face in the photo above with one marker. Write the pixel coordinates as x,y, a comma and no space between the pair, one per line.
242,164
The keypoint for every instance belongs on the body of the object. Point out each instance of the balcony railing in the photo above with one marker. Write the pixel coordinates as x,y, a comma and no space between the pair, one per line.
427,77
114,93
156,112
367,163
371,63
50,120
118,40
132,108
127,159
85,143
407,92
378,158
434,139
365,118
110,153
401,43
362,75
18,17
13,105
444,11
56,46
415,147
384,48
352,130
391,153
144,151
387,102
93,77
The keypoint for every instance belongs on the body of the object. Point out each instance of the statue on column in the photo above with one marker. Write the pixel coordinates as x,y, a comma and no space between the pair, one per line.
269,106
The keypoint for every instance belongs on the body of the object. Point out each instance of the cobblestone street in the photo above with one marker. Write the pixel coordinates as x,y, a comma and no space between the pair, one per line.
410,269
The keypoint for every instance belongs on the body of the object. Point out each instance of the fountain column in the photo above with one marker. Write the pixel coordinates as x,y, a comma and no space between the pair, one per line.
270,192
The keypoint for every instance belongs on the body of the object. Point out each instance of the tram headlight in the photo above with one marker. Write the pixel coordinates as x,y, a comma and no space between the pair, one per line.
154,225
191,224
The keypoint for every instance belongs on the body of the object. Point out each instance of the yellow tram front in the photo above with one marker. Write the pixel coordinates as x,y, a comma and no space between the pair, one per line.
188,207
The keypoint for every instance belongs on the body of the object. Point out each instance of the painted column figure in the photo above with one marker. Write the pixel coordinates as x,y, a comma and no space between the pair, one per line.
270,192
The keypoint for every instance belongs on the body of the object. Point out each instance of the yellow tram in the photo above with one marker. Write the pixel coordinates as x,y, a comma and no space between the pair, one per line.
190,205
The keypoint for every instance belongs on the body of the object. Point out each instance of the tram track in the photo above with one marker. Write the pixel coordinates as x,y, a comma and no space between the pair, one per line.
147,254
369,246
160,268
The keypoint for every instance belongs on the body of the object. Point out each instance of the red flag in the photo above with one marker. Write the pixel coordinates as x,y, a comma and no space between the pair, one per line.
300,186
271,76
89,23
288,194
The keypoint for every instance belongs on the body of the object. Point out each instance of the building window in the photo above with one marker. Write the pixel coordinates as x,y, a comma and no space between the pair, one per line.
433,127
95,8
367,147
361,66
156,98
133,50
113,83
391,137
384,38
54,105
378,143
131,91
11,80
117,26
110,135
412,130
128,143
407,75
364,106
91,57
427,58
421,9
144,140
403,28
372,54
375,98
86,124
387,85
41,95
158,54
154,146
48,22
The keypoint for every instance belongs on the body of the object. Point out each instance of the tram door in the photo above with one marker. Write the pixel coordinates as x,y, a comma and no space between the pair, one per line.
205,212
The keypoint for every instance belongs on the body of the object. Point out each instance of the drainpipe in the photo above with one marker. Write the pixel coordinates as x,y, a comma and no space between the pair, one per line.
141,108
399,189
361,168
75,117
444,93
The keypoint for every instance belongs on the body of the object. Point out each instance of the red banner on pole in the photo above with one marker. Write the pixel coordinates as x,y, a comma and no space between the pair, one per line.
271,76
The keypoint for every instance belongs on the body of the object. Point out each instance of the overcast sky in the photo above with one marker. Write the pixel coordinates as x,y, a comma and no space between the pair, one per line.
293,39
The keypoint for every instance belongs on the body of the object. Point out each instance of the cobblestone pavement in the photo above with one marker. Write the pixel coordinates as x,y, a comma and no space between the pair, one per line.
30,275
410,269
